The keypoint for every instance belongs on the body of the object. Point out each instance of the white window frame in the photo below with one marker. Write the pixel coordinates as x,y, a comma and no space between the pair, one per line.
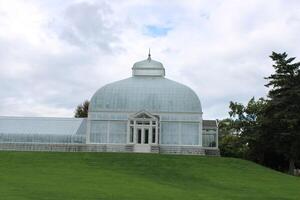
133,123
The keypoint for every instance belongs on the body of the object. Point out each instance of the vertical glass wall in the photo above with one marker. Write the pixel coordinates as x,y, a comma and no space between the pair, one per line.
209,138
117,131
98,133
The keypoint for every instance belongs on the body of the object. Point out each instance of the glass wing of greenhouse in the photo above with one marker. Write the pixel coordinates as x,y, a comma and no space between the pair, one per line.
42,130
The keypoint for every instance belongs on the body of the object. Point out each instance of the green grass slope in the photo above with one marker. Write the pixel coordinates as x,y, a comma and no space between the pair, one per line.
120,176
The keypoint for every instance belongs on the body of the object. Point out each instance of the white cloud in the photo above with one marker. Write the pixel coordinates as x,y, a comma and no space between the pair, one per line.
55,54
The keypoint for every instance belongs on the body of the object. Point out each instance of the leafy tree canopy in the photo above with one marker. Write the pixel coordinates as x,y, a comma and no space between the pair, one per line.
269,128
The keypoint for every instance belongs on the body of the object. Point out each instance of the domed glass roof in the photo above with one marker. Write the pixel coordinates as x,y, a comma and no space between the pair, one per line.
146,90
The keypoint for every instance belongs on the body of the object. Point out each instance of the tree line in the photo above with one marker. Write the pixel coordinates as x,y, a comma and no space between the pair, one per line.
267,130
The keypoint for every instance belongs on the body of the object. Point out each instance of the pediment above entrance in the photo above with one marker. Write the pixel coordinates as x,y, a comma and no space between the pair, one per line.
143,115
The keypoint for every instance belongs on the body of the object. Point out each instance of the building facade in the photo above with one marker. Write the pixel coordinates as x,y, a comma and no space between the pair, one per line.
144,113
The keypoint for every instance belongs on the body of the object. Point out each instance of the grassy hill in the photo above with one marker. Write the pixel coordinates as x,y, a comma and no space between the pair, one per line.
97,176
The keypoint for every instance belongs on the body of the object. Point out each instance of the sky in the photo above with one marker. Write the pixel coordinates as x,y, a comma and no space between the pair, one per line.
55,54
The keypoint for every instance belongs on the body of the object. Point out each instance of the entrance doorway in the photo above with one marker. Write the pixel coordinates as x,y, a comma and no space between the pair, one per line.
143,131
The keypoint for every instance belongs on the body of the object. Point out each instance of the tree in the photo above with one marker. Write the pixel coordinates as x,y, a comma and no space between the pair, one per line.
230,142
232,146
226,127
282,114
244,135
247,122
267,131
82,109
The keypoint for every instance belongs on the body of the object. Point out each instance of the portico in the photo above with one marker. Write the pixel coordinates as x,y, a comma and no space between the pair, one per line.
143,131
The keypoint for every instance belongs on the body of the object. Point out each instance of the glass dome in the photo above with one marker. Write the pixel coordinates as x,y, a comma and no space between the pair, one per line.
146,90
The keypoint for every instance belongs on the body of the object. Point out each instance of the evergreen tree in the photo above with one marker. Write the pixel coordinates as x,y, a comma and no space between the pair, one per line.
282,114
82,110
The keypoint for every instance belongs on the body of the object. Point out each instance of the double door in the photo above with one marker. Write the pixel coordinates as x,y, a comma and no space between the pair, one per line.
142,135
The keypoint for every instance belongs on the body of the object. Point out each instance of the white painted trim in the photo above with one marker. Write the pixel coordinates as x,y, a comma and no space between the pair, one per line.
217,135
128,132
88,132
134,116
159,142
157,133
134,133
200,133
143,135
150,133
143,127
180,133
108,132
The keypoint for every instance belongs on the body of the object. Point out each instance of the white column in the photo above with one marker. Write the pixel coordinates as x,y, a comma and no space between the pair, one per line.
180,131
200,132
156,133
217,136
143,135
150,133
88,132
108,127
128,132
134,132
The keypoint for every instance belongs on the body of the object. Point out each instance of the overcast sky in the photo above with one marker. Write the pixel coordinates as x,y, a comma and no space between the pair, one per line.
54,54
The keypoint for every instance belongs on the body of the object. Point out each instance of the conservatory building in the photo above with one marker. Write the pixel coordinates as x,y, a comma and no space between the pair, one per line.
144,113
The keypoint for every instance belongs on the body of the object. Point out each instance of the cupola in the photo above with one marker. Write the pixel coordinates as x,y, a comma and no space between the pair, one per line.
148,67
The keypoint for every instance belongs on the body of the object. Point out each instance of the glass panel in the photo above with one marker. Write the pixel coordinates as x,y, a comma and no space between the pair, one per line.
153,135
139,122
117,132
98,132
209,140
171,131
189,133
153,122
139,136
146,136
147,123
131,122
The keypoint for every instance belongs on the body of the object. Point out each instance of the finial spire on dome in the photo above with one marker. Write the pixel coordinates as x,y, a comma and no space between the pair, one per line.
149,56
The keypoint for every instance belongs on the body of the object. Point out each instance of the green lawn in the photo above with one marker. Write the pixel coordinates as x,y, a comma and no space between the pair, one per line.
120,176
